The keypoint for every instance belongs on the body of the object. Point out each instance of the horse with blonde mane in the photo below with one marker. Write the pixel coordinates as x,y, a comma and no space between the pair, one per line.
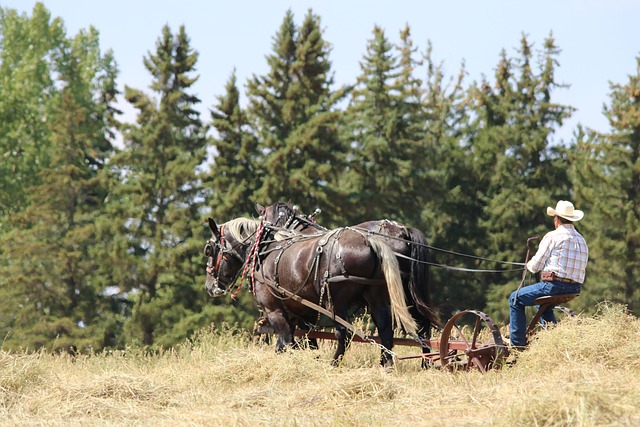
409,245
335,271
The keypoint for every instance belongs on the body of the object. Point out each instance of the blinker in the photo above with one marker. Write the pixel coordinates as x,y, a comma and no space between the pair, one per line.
208,250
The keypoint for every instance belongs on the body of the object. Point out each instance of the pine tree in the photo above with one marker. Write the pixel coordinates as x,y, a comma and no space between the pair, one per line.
413,157
369,117
156,199
294,116
606,177
385,125
235,172
410,88
431,111
447,197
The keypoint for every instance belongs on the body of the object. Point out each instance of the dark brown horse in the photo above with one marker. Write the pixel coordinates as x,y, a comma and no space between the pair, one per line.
408,243
335,271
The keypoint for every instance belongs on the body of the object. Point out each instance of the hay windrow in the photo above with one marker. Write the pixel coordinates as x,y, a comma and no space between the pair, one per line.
584,372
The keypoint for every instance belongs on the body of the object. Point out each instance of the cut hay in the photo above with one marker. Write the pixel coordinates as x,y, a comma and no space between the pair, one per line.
584,372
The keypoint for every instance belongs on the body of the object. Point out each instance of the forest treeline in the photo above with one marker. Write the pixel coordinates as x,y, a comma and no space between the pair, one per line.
102,222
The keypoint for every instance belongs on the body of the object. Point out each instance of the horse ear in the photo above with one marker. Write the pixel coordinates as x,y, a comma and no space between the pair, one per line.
213,227
259,209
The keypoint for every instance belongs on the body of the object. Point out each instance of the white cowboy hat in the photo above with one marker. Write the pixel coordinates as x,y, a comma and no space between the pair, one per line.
566,210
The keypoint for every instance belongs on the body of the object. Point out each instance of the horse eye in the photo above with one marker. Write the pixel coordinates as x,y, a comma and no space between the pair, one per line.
208,249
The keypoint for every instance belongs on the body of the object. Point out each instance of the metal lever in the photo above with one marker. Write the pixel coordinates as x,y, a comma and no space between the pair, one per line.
526,259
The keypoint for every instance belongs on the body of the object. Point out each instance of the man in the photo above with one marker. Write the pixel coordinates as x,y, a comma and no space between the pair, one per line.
562,257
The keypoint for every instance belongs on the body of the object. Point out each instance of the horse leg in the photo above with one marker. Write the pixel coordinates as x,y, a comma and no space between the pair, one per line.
306,327
381,315
282,327
312,343
424,334
262,331
342,335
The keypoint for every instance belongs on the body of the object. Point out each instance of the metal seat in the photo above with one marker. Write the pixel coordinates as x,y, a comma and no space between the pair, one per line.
554,299
544,303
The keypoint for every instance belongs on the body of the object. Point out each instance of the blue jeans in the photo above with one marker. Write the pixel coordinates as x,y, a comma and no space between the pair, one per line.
524,297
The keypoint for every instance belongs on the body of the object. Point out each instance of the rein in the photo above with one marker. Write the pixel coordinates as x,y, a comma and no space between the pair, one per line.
444,266
223,249
526,259
444,251
470,270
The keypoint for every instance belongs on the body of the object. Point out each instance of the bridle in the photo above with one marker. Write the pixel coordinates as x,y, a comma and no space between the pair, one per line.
224,252
218,249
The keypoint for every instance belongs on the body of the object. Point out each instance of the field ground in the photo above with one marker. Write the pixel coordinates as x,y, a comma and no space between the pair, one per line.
584,372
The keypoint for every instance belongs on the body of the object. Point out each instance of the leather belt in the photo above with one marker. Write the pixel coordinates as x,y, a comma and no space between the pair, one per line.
566,280
550,276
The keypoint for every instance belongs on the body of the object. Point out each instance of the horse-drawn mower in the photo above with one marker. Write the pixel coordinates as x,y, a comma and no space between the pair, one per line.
299,271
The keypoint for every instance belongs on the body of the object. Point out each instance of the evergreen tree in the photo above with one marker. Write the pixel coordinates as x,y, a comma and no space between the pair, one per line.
371,125
235,172
606,176
156,199
415,154
432,113
293,112
447,198
50,294
390,171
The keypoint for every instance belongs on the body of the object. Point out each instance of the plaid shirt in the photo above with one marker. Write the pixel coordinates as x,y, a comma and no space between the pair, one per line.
563,251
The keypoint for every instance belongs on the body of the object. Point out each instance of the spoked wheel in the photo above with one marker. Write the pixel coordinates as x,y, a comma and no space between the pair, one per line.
471,340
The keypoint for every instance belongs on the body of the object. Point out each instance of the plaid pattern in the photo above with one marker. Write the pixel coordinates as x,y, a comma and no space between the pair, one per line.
563,251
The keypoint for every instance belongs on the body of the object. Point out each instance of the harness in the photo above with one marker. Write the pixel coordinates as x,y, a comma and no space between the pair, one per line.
326,246
223,253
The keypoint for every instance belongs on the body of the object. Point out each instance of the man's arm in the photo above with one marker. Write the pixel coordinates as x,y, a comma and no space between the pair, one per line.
539,259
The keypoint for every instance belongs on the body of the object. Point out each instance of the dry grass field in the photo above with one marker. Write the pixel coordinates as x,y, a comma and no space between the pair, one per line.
584,372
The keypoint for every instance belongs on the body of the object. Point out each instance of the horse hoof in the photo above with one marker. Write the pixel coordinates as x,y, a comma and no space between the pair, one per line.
336,362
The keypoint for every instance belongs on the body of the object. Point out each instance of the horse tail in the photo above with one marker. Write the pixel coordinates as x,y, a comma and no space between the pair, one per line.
389,263
418,283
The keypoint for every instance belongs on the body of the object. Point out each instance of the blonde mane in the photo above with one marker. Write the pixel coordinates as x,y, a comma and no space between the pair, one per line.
242,229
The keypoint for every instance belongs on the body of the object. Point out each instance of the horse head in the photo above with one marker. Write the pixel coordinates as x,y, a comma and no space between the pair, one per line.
285,216
226,253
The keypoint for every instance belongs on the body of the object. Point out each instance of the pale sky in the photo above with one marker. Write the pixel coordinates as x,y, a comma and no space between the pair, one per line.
600,40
